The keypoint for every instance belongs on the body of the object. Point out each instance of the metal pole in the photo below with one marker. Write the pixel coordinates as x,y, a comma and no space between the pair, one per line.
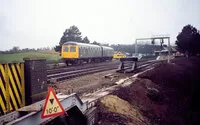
168,60
136,47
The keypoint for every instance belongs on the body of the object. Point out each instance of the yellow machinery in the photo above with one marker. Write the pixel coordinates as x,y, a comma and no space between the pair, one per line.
118,55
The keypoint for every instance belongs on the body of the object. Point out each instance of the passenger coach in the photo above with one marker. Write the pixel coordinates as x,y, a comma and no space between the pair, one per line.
76,53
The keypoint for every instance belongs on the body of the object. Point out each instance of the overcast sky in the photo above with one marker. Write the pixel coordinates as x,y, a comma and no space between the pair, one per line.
41,23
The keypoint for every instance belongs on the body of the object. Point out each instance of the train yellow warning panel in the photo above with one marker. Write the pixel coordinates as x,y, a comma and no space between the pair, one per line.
52,106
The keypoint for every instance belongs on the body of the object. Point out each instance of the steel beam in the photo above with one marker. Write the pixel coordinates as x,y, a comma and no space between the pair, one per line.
154,38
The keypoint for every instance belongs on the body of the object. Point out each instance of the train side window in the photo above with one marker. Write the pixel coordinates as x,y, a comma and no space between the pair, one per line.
86,50
72,49
65,49
83,50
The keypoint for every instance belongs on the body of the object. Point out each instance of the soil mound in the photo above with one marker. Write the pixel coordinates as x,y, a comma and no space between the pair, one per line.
137,95
166,95
179,83
114,110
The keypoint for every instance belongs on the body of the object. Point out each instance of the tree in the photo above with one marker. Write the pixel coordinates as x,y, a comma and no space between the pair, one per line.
105,44
15,49
71,34
188,41
96,43
86,40
130,48
57,48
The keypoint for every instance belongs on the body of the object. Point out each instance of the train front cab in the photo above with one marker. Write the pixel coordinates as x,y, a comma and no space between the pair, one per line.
70,53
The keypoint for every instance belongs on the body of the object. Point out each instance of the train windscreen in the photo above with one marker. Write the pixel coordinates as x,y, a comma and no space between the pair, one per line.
72,49
66,49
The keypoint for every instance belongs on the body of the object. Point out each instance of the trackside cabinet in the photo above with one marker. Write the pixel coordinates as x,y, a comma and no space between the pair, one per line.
35,80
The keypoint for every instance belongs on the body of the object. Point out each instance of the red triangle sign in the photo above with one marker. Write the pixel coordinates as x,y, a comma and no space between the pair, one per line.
52,106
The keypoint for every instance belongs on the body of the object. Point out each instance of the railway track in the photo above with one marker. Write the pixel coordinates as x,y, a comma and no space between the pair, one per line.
79,67
57,75
61,74
141,66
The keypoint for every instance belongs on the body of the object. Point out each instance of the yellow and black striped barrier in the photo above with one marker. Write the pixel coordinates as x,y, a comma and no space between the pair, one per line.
12,87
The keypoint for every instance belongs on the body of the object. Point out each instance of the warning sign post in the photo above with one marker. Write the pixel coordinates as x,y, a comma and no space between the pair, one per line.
52,106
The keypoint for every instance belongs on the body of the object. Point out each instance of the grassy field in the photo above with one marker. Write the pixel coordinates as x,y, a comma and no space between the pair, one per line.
18,57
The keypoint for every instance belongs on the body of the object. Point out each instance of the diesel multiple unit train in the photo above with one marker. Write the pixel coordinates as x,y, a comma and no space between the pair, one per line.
76,53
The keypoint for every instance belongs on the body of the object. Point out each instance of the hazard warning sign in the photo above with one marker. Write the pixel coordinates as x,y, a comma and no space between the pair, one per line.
52,106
